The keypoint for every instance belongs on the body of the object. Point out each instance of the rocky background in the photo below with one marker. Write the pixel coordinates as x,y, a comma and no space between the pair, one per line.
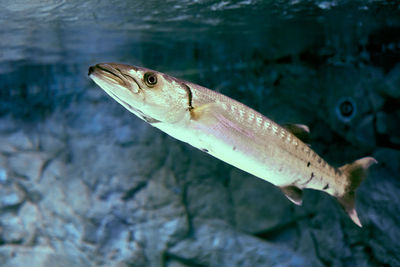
85,183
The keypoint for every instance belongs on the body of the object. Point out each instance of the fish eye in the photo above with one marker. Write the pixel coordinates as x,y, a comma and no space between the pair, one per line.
150,79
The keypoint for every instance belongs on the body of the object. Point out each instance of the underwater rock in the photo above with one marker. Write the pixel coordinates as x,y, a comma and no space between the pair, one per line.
393,82
258,205
137,257
12,230
394,126
16,141
138,222
364,132
11,196
27,164
209,200
39,256
3,172
51,143
177,263
217,244
20,228
383,187
381,123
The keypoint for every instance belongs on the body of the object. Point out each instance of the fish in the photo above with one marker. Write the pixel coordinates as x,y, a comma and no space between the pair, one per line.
231,132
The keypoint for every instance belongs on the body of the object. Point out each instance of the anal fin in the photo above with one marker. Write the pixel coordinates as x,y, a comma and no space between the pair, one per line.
293,193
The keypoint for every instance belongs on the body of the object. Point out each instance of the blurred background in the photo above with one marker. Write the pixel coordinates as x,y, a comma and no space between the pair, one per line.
85,183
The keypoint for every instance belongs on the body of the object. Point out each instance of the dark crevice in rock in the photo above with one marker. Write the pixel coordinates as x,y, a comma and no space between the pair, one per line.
20,176
317,251
133,191
32,196
126,144
12,208
13,242
383,140
168,257
231,203
383,47
313,58
372,259
392,108
276,230
48,161
189,216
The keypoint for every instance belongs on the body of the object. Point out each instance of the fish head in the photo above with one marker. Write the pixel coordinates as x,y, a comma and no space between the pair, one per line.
151,95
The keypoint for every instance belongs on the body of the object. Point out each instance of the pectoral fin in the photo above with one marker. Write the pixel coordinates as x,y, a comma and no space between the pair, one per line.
301,131
205,112
293,193
215,117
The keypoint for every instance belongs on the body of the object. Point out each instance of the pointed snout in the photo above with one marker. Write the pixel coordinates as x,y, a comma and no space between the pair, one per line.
111,67
113,74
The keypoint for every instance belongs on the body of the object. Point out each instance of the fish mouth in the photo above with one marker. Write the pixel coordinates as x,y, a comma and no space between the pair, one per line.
113,74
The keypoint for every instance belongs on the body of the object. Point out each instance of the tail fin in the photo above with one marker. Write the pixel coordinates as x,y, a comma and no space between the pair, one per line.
355,173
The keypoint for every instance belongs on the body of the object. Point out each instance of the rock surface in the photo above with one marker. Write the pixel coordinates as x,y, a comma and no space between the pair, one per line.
149,200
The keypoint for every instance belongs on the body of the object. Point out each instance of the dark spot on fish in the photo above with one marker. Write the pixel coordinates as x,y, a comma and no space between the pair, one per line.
234,148
308,164
326,187
319,160
280,169
204,150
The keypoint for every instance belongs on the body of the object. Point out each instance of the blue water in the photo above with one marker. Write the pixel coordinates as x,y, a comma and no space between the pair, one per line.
46,32
194,40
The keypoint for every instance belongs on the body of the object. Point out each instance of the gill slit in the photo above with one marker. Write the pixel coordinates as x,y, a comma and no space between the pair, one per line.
190,95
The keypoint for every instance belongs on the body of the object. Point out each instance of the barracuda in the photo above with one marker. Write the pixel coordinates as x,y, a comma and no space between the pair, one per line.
232,132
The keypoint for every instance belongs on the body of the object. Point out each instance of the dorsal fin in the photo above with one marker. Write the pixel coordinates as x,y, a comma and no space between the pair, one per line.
301,131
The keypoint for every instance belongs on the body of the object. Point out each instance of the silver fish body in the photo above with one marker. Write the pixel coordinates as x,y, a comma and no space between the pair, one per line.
231,131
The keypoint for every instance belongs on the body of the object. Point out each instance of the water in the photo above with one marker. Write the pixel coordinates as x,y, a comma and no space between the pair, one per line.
189,39
48,32
85,183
